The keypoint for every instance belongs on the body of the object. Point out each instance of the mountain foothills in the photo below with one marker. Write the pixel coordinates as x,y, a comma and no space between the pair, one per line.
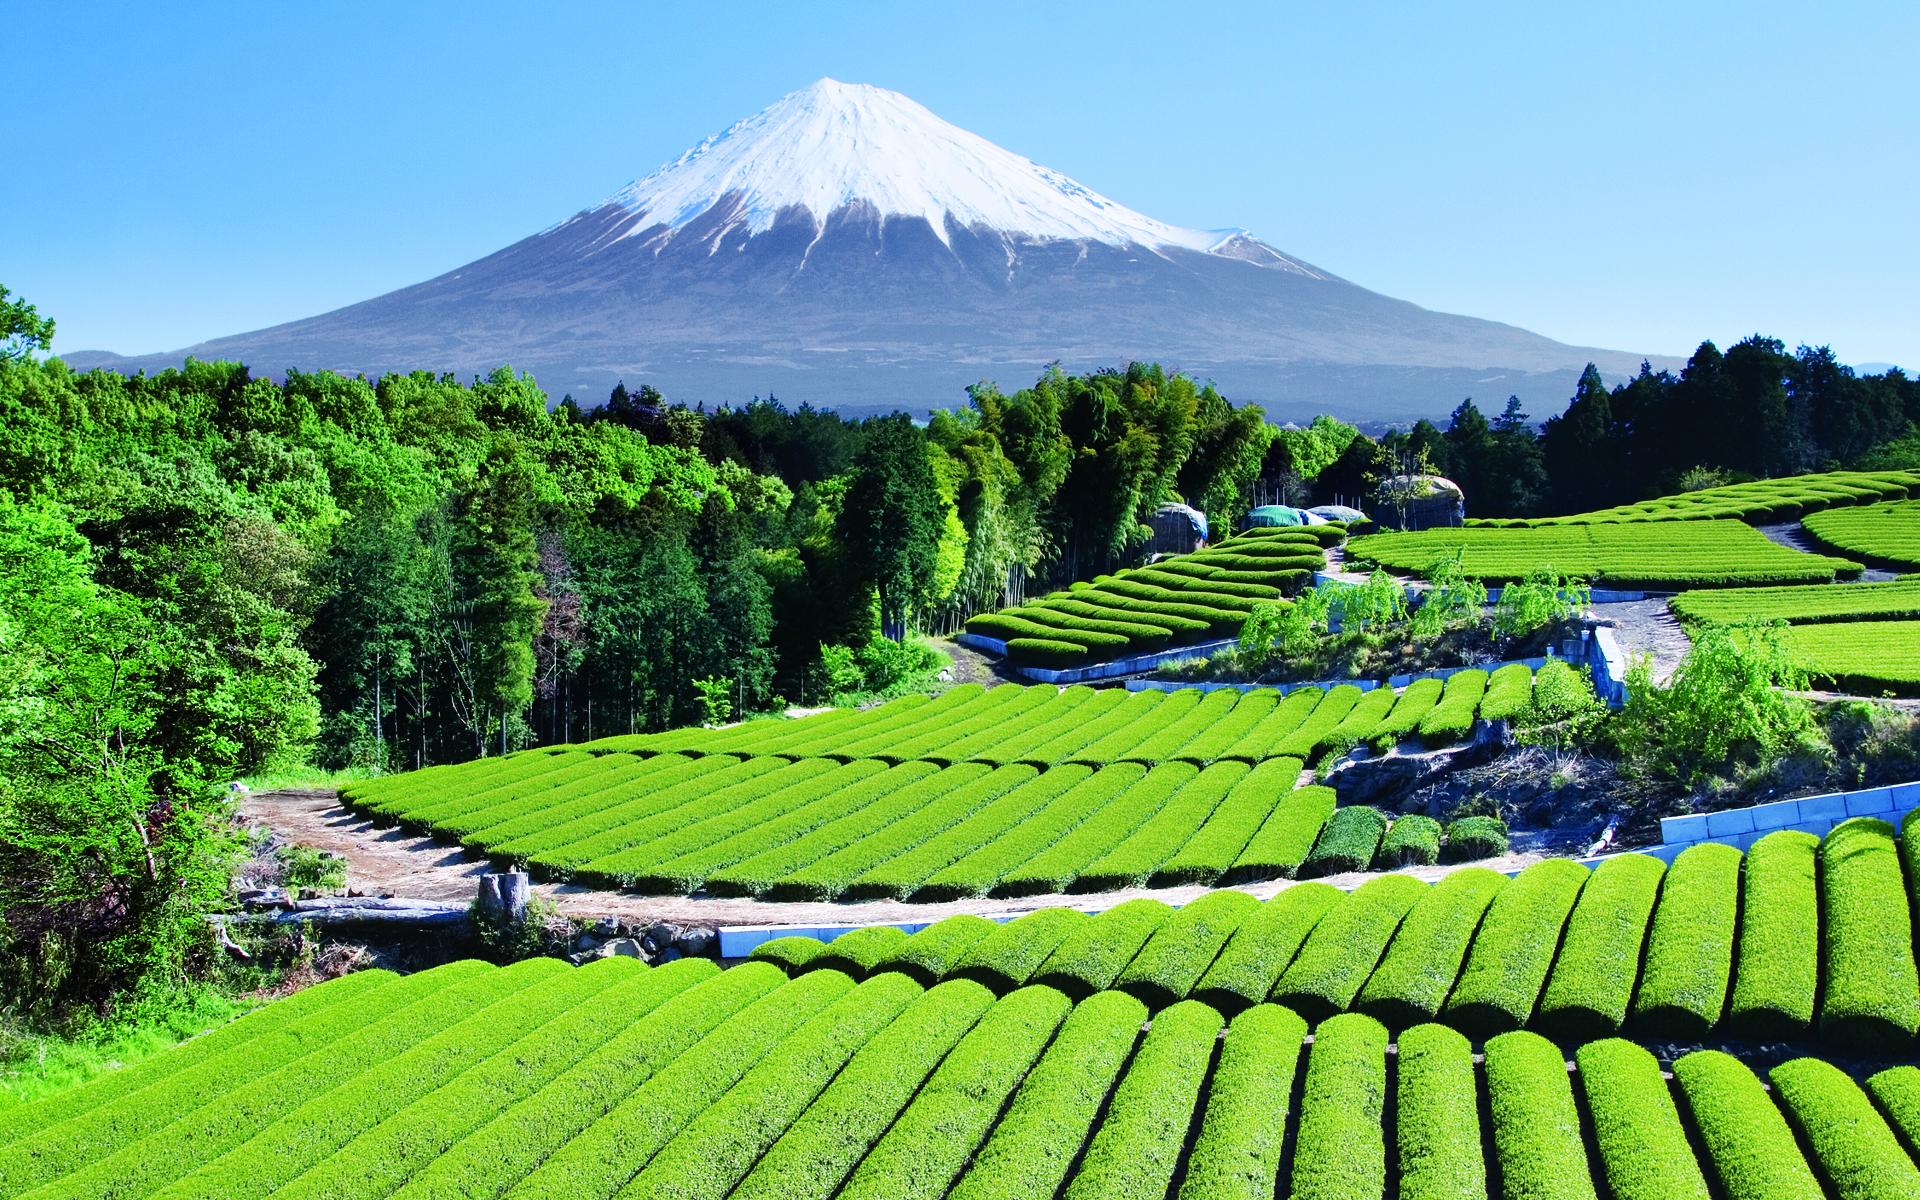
210,574
846,246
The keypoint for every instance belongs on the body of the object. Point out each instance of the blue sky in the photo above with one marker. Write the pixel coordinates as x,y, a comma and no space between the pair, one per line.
1631,175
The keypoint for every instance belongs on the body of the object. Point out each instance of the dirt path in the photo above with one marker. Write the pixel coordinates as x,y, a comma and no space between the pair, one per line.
1794,537
1648,627
392,861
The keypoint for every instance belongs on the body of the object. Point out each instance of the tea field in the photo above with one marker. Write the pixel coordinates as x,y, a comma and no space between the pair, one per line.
1003,791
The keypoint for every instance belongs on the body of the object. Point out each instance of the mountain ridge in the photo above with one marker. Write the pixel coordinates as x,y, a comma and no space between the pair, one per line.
848,247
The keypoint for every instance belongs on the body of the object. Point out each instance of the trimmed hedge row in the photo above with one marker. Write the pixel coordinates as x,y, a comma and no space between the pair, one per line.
931,1141
1348,842
1429,949
1509,690
980,870
1779,941
1008,957
1236,1154
1035,1143
1636,1128
1535,1123
1507,967
1341,951
1059,865
1451,720
1341,1150
1408,711
1471,838
1271,731
1352,729
1281,844
819,1148
1752,1151
1870,994
1179,952
1437,1118
1137,1147
1593,978
1262,948
1092,955
1853,1149
1683,986
1134,861
1411,841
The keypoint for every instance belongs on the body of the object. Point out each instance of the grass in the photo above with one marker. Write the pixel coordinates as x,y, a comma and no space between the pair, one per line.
38,1063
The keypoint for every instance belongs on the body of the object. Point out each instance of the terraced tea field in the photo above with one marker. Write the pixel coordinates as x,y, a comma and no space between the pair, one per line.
1862,638
1178,600
1003,791
1883,534
1651,555
685,1080
1759,502
1803,938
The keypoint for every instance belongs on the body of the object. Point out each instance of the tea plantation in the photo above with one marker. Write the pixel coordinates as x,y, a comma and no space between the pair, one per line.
1141,1052
1003,791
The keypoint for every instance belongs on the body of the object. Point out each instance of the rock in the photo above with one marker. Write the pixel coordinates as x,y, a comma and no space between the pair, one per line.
625,947
588,942
698,943
946,675
1384,779
662,933
607,927
670,954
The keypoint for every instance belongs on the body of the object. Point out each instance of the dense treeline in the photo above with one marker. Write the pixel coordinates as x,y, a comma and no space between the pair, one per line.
1753,412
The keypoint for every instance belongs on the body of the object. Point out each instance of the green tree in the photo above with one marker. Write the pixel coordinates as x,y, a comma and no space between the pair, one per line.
22,329
891,521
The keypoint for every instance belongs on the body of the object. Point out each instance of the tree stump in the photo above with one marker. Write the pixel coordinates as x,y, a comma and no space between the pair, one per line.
503,896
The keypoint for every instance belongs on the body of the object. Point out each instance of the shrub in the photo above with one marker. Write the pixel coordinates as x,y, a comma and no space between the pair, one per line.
1870,997
1047,652
1183,947
931,1141
1592,979
790,953
1683,986
902,874
927,956
1332,709
1342,1149
1347,733
1536,1126
1727,703
1897,1091
1437,1117
1427,951
1263,946
1543,598
819,1148
1408,711
1236,1155
981,869
1348,842
1563,712
1753,1152
1007,958
1038,1139
1282,842
1779,947
858,952
1509,690
732,1005
723,1141
1412,840
1341,952
1508,963
1092,956
1472,838
1852,1147
1636,1127
1137,1146
386,1156
1451,720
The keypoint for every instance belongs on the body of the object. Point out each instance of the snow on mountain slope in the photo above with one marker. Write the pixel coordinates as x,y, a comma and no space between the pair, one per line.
832,145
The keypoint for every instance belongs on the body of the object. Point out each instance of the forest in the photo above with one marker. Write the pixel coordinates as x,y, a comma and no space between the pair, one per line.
212,573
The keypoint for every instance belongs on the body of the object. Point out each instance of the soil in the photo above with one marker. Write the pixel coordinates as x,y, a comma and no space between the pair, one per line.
390,860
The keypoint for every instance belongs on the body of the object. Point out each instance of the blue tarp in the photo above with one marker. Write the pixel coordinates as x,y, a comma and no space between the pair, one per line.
1269,516
1338,512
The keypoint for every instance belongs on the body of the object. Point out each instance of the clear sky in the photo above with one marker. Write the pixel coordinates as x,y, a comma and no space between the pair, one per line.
1631,175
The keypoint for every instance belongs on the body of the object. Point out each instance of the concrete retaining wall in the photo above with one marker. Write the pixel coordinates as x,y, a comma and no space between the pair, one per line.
1743,827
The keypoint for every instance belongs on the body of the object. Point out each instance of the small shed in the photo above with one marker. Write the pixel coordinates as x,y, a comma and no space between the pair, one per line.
1421,502
1177,529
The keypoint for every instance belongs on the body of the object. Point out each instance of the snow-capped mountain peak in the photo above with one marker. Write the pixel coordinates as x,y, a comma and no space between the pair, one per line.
832,144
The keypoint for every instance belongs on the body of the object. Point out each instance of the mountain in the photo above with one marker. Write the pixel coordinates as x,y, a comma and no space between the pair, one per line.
846,246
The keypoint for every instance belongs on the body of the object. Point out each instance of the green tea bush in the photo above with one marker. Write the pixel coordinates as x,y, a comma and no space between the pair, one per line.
1778,959
1535,1124
1348,843
1412,840
1689,960
1870,998
1472,838
1136,1149
1341,1148
1636,1128
1236,1154
1852,1147
1753,1152
1437,1118
1507,967
1428,949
